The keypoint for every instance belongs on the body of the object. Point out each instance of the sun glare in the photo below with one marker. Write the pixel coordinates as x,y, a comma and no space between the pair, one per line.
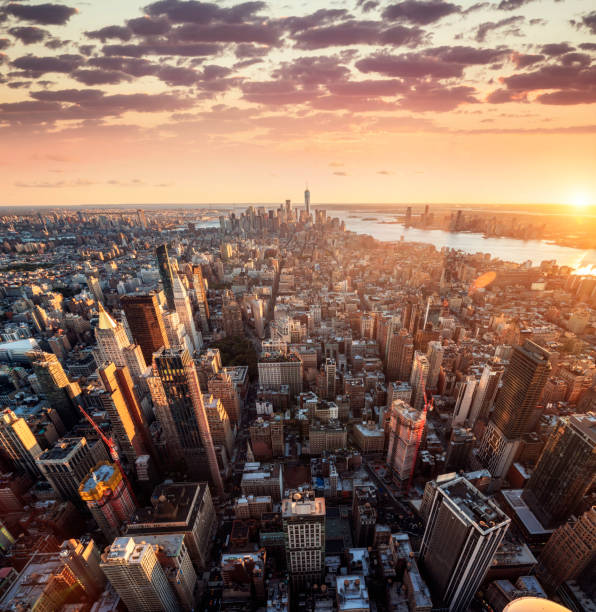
580,200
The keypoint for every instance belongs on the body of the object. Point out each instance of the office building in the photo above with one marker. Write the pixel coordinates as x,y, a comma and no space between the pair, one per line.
267,436
179,407
66,464
184,311
18,445
364,515
146,323
195,275
134,571
95,288
515,407
243,576
55,386
166,274
108,497
276,370
221,386
406,427
219,423
124,411
434,354
418,379
398,354
303,517
569,550
307,200
486,392
352,594
184,508
465,396
260,479
231,315
463,531
458,451
565,470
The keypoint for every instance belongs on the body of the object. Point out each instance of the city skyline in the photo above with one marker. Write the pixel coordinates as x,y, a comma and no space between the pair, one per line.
416,101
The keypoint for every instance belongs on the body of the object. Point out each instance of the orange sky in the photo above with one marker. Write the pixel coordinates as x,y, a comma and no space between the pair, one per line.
413,101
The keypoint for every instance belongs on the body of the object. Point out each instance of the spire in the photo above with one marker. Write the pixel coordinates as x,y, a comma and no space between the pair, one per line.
105,320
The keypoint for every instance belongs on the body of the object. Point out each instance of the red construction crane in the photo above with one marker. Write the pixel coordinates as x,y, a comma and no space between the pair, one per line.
109,442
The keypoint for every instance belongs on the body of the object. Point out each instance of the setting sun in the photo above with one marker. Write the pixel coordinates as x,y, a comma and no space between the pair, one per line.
580,200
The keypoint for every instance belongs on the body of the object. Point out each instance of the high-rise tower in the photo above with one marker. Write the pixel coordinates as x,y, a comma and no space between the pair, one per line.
180,410
166,274
406,426
18,444
515,407
146,323
307,200
182,306
565,470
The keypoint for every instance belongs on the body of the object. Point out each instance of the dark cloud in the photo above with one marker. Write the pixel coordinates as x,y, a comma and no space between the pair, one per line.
354,32
311,71
245,50
75,96
500,96
145,26
56,43
276,93
263,33
162,48
575,59
19,84
568,97
110,32
368,5
468,56
317,19
588,46
554,49
133,66
4,43
35,65
368,87
490,26
177,76
437,97
522,60
409,65
99,77
511,5
191,11
421,12
589,21
28,35
42,14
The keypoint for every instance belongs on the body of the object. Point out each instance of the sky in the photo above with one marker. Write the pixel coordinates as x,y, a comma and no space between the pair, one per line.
180,101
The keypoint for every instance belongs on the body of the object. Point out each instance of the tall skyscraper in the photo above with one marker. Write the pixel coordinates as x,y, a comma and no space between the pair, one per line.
182,306
418,379
569,550
565,470
108,498
307,200
18,444
434,354
462,534
398,354
142,219
95,288
515,407
166,274
54,382
146,323
223,387
134,571
303,517
179,408
219,423
124,411
406,426
195,275
466,389
485,393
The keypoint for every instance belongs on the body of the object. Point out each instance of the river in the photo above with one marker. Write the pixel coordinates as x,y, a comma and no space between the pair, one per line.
506,249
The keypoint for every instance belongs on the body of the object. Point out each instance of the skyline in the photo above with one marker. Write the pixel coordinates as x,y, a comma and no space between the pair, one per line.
380,102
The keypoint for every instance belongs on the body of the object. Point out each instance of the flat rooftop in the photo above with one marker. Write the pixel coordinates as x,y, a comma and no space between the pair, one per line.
513,498
62,450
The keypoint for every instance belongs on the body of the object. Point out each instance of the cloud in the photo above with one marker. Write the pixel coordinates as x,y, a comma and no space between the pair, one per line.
522,60
511,5
28,35
37,66
589,21
409,65
42,14
501,96
54,184
384,172
4,43
145,26
554,49
436,97
99,77
162,48
191,11
490,26
177,76
110,32
421,12
568,97
340,173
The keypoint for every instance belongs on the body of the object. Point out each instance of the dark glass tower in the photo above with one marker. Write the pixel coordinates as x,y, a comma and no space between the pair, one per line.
179,407
565,470
145,323
166,274
523,382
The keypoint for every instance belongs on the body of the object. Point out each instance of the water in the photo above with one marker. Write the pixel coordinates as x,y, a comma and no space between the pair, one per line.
506,249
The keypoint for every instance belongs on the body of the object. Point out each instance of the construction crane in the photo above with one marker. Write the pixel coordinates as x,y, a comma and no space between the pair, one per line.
109,442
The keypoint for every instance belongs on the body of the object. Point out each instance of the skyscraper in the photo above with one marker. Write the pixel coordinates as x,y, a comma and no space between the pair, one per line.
434,353
108,498
303,517
124,412
146,323
179,408
54,382
166,274
195,274
463,531
485,393
232,315
515,407
95,288
398,354
466,389
182,306
219,423
223,387
18,444
418,379
134,571
565,470
307,200
406,426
